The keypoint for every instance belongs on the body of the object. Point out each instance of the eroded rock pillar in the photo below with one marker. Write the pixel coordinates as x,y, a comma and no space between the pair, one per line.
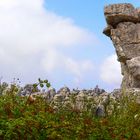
123,28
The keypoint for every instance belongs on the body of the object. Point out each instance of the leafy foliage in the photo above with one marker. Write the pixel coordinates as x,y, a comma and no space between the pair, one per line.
22,118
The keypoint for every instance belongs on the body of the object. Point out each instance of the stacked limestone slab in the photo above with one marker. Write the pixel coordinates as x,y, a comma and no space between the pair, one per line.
123,28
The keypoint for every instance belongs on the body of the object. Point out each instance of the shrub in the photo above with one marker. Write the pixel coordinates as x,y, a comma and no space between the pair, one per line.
21,118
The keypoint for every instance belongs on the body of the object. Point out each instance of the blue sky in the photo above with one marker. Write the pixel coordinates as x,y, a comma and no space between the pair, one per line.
88,14
58,40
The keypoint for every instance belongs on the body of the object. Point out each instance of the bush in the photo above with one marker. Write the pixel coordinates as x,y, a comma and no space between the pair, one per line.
22,118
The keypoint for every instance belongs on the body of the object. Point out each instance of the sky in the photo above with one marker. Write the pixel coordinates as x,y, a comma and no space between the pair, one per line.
58,40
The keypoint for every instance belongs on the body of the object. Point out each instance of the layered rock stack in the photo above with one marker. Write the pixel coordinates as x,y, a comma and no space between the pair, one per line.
123,28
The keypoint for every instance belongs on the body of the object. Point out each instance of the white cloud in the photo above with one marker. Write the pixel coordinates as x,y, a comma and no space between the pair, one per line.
31,38
111,71
52,60
79,68
17,3
58,61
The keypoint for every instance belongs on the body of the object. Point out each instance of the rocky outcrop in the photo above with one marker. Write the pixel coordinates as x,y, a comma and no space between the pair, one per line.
123,27
27,90
96,101
79,99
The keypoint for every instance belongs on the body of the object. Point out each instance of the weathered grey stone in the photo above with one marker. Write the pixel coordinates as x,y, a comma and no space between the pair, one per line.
50,94
124,30
100,111
107,30
134,67
63,89
117,13
81,96
58,98
28,89
116,93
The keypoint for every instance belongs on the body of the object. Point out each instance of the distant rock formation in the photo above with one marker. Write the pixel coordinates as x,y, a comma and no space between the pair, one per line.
123,27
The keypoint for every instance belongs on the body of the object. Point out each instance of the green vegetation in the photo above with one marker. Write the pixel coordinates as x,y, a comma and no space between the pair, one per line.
22,118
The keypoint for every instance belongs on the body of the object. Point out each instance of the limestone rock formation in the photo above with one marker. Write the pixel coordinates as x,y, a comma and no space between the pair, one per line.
123,27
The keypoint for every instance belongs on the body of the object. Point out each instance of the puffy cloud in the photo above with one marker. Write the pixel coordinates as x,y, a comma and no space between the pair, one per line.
79,68
111,71
17,3
58,61
32,37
